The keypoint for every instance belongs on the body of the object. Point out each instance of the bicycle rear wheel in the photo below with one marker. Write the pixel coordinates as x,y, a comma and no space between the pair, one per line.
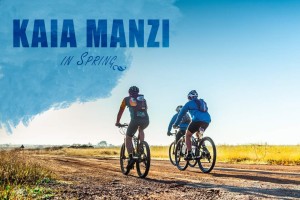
208,154
124,160
172,153
179,155
143,162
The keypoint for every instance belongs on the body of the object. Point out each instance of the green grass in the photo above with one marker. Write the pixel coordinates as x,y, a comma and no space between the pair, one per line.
23,178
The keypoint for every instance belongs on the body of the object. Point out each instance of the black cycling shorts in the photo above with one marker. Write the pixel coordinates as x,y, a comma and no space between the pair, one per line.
134,124
194,126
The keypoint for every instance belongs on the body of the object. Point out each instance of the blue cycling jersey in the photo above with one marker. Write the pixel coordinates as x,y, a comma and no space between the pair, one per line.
193,108
182,126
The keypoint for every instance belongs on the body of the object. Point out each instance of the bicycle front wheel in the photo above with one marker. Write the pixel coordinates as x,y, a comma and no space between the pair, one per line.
124,160
179,155
208,154
143,162
172,153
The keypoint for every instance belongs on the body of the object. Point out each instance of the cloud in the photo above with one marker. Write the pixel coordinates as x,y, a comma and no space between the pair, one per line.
32,80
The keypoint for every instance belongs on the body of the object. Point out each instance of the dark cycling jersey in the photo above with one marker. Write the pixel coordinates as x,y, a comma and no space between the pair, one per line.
136,110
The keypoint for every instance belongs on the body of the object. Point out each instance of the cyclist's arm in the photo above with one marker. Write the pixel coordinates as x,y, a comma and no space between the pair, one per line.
121,110
172,122
182,112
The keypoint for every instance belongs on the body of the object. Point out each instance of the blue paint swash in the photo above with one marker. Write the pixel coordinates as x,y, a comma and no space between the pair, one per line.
39,85
34,80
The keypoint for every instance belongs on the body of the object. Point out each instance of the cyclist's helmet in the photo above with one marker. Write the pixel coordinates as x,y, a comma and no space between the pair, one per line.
178,108
192,95
133,91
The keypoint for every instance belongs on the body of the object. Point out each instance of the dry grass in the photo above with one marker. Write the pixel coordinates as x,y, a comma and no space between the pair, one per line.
252,153
90,152
260,153
20,177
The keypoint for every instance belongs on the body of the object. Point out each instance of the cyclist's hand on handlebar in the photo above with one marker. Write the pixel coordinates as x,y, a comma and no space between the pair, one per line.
118,124
169,133
175,126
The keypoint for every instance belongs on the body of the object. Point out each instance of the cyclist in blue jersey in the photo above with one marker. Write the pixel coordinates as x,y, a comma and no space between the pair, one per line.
182,126
200,118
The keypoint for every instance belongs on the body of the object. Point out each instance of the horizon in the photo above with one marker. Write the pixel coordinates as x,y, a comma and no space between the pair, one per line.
242,57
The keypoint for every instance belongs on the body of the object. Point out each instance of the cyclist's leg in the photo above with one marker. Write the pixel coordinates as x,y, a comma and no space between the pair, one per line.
193,127
142,125
141,134
132,128
204,126
179,134
188,142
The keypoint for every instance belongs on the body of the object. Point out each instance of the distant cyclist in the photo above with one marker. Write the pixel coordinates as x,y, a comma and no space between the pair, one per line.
139,118
182,126
200,118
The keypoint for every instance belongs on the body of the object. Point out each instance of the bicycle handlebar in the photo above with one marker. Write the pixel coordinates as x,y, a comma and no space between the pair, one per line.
122,125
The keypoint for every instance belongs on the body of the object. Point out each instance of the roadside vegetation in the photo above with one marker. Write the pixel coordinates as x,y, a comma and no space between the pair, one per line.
22,177
248,154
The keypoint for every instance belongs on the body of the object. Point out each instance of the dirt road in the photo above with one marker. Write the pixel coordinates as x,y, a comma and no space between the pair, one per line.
96,178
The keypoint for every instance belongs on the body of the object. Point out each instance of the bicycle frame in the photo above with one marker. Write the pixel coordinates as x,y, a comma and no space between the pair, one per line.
135,140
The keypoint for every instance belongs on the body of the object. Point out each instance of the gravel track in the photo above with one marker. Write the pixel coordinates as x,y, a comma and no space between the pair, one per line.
99,178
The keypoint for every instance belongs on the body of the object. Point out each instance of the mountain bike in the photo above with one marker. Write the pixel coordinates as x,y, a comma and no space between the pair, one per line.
141,154
203,152
172,149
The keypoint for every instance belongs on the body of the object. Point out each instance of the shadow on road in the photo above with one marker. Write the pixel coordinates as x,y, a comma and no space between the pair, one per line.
258,171
255,175
279,192
261,192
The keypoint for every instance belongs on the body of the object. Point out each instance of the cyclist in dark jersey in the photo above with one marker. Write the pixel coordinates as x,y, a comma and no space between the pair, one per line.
200,118
182,126
139,118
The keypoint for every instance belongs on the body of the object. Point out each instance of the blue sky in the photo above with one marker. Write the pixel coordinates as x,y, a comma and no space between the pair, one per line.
241,56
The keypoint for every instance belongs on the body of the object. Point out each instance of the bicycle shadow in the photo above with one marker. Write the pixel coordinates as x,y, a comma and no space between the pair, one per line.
257,171
282,193
244,176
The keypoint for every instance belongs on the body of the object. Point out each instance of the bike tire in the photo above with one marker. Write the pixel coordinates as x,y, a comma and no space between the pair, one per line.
208,160
172,153
181,164
124,160
143,163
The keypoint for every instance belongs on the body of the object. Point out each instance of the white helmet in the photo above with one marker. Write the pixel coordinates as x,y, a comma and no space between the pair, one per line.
192,95
178,108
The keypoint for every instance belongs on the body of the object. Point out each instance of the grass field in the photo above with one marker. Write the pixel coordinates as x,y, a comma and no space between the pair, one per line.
251,154
22,178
